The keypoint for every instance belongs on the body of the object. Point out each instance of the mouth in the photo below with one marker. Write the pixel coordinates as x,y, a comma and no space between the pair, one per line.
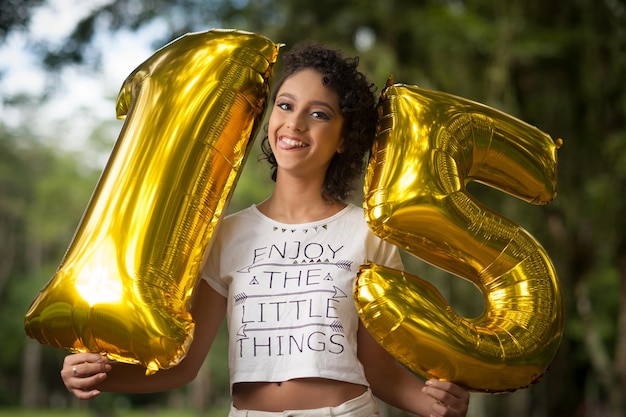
290,143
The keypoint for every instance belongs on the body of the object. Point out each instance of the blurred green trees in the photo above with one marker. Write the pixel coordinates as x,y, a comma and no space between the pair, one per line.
559,65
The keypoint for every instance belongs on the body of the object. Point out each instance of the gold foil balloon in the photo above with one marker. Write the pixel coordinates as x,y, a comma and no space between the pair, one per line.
429,146
125,284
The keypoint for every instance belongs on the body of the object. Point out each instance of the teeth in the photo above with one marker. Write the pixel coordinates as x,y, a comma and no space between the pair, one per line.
293,142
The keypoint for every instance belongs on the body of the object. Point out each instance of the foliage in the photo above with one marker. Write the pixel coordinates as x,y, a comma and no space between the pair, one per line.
15,15
559,65
39,212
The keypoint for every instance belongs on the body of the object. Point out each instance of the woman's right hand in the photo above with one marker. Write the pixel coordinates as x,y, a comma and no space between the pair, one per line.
87,374
82,372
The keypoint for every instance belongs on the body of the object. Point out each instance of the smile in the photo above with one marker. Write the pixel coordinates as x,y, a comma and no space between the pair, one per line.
293,143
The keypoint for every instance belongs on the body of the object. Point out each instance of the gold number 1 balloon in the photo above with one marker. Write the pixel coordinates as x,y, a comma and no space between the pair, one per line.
429,146
125,284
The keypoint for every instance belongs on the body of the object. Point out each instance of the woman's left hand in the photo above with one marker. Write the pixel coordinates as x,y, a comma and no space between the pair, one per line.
451,399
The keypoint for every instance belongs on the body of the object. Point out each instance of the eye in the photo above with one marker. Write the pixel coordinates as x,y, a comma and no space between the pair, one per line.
284,106
320,115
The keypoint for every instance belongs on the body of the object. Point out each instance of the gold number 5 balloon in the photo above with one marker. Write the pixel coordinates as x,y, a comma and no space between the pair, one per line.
429,146
125,284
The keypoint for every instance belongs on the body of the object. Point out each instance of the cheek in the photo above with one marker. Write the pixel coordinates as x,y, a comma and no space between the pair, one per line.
272,124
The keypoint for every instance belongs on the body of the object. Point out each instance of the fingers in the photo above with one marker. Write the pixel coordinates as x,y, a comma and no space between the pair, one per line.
81,372
451,399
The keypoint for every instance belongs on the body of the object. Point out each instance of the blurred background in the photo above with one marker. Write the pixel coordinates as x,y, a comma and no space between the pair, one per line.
559,65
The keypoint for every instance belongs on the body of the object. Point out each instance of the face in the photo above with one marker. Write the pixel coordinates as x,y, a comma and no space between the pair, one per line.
304,128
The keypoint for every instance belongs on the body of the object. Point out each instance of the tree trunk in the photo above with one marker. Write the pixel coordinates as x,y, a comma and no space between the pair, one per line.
31,368
620,346
600,359
32,391
8,249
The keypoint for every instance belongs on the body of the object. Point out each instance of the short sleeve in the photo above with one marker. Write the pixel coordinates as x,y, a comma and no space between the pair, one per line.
390,256
211,270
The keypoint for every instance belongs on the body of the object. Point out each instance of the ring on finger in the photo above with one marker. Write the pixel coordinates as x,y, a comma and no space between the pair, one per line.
74,371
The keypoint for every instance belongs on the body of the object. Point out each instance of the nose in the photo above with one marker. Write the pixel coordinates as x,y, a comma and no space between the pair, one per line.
296,121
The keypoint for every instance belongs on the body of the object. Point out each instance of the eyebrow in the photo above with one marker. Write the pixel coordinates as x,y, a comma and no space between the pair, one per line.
311,103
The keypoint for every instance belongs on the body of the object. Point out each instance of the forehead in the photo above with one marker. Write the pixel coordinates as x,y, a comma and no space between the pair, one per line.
308,82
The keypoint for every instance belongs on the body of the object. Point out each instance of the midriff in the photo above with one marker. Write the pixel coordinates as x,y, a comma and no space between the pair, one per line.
295,394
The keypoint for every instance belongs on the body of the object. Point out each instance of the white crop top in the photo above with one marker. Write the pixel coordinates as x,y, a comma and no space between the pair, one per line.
289,289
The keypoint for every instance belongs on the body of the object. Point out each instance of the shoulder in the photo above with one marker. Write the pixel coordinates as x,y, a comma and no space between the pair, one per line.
246,215
355,217
354,213
351,222
230,226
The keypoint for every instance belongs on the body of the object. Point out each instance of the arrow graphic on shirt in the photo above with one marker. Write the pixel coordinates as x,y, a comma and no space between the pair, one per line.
336,326
242,296
344,264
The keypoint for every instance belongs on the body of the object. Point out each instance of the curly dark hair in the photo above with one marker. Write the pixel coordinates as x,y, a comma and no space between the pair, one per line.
357,105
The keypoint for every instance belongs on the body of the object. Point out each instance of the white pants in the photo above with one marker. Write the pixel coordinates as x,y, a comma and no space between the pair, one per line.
361,406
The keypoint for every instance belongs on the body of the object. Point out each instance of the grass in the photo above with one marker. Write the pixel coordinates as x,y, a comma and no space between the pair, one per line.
9,412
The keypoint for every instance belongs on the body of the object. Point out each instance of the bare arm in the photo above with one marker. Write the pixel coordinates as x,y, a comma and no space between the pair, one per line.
95,374
397,386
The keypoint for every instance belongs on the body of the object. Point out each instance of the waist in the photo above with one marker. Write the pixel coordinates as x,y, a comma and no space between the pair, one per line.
295,394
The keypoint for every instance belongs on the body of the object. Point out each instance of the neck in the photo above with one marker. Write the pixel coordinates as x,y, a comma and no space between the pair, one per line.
296,202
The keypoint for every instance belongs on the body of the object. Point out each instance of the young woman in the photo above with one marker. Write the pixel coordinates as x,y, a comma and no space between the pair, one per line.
282,272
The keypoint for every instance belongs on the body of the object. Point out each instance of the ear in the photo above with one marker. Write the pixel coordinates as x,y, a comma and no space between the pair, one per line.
340,146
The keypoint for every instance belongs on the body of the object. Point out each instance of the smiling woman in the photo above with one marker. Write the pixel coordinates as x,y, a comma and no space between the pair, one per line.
355,106
305,128
282,272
